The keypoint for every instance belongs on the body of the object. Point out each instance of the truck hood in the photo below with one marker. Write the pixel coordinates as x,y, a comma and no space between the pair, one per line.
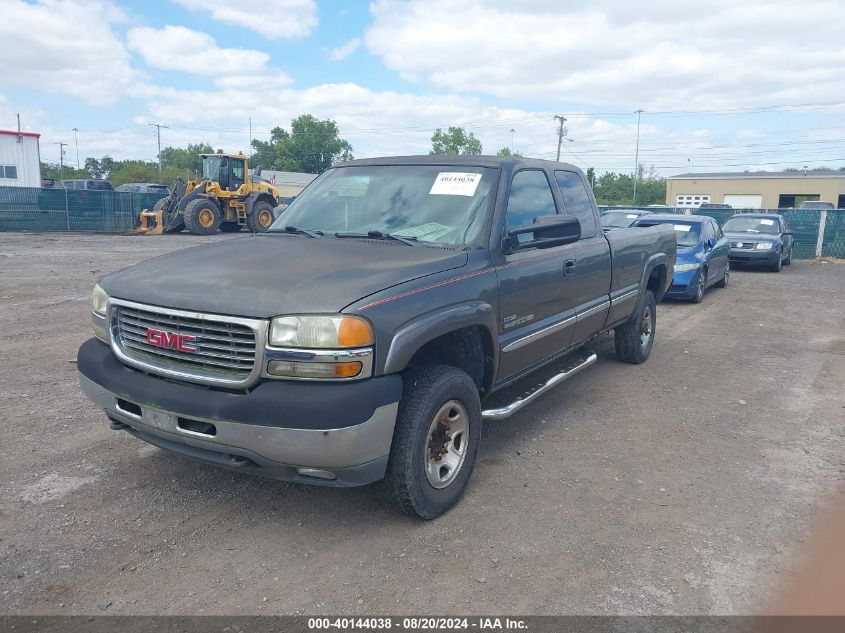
270,275
752,238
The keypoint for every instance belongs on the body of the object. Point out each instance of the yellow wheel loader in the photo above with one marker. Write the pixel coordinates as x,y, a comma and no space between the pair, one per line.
224,199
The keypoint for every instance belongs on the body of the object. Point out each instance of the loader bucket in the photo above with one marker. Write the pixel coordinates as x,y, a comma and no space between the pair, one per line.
151,223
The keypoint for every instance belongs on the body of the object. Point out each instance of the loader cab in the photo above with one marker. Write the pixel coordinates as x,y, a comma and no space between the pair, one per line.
227,170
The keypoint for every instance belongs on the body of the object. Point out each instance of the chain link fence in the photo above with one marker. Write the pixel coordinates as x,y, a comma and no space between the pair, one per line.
806,223
36,209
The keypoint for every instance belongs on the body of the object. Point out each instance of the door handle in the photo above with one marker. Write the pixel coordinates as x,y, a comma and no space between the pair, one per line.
569,267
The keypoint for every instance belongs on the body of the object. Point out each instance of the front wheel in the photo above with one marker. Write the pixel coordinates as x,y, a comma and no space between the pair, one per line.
635,339
202,217
702,282
435,441
775,268
788,259
261,217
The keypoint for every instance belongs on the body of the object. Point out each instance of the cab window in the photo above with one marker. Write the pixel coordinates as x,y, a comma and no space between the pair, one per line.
530,197
577,201
237,174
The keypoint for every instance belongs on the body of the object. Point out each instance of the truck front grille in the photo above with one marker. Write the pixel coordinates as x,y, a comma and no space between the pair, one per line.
744,244
201,348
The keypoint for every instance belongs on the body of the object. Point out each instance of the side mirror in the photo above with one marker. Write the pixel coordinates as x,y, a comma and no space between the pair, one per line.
547,231
710,242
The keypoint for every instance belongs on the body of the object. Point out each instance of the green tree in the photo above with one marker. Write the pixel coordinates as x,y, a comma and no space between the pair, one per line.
506,151
54,171
311,146
99,168
455,141
613,188
591,176
186,159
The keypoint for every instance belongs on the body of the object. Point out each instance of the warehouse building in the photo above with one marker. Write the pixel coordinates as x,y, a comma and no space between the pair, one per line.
20,160
289,183
757,190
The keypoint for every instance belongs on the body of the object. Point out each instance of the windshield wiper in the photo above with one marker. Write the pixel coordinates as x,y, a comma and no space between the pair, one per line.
295,229
381,235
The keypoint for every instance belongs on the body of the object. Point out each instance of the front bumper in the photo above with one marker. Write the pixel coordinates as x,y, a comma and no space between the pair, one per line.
290,431
750,256
684,285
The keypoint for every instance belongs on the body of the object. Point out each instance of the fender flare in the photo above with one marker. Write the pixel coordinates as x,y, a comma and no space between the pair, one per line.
254,197
411,336
651,263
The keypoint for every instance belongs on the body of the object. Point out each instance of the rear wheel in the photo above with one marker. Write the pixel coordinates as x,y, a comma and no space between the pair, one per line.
788,259
723,282
435,441
261,217
202,217
635,339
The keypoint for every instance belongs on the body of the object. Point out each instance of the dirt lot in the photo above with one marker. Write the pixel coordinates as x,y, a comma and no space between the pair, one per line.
685,485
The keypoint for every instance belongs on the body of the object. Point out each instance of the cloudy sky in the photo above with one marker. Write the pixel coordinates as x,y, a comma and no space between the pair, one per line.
724,85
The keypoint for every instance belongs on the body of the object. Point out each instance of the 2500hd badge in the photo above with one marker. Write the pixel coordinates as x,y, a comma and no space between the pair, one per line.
363,337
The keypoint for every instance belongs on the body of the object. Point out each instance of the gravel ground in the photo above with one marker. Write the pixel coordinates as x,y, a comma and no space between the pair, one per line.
684,485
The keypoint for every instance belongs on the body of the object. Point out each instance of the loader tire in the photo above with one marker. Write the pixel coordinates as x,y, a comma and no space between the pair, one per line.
261,217
202,217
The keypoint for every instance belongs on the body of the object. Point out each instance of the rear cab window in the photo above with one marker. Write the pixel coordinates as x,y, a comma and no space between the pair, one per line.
577,201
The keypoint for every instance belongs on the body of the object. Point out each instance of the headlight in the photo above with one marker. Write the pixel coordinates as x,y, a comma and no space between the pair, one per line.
679,268
99,300
320,332
764,246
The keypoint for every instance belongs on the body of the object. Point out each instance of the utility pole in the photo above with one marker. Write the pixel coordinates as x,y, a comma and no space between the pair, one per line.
76,142
158,127
249,151
512,133
639,113
61,158
560,133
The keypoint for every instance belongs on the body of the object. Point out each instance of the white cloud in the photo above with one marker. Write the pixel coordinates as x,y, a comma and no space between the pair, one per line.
345,50
180,48
64,47
661,54
274,19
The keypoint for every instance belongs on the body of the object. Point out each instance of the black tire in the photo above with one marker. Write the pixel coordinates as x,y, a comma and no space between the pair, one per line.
775,268
261,217
788,259
630,347
702,286
428,389
202,217
230,227
723,282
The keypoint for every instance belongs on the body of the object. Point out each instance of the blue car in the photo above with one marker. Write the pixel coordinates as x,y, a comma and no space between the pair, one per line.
703,254
621,218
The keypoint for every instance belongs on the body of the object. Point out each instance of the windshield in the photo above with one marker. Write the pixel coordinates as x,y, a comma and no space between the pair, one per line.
687,235
618,219
751,225
432,203
211,168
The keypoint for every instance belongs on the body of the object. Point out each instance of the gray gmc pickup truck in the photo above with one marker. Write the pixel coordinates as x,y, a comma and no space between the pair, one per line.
393,307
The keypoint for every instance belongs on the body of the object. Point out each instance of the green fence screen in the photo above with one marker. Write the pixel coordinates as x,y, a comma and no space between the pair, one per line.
35,209
804,222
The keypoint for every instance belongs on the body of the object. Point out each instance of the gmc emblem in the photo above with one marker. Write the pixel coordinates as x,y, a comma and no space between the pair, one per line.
171,340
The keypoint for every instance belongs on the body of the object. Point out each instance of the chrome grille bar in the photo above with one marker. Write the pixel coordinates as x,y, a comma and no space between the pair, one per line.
219,349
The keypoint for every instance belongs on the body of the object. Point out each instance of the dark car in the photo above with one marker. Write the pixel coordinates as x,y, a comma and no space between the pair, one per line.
702,259
762,239
85,184
621,218
713,205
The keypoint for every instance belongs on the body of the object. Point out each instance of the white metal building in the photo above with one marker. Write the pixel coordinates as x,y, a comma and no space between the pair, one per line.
20,159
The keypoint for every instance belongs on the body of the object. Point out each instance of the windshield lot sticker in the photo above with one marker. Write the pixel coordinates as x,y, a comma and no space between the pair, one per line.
455,183
632,216
426,232
682,228
767,222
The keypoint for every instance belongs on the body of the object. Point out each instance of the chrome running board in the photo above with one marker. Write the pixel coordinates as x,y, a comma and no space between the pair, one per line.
534,392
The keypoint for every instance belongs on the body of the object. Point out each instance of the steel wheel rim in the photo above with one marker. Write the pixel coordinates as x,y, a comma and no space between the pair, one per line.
727,273
265,218
646,329
701,280
446,444
206,218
